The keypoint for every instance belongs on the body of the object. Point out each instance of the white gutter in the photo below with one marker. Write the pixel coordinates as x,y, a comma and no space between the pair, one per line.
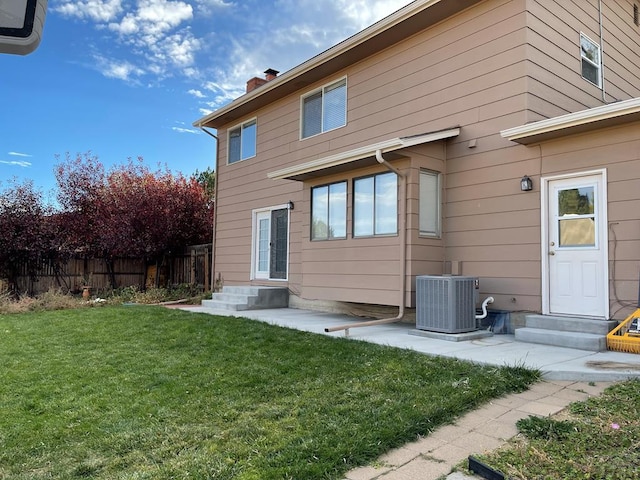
403,255
577,119
362,152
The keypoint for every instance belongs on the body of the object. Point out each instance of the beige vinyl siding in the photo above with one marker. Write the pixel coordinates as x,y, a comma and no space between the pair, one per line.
615,149
556,85
464,71
474,70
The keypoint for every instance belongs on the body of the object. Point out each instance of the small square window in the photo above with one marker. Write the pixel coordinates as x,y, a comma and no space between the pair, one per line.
375,205
590,58
324,109
242,141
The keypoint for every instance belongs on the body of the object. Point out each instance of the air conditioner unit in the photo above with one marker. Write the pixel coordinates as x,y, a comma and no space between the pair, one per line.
446,304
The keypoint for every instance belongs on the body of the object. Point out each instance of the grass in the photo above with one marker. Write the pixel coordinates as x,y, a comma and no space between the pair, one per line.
152,393
598,439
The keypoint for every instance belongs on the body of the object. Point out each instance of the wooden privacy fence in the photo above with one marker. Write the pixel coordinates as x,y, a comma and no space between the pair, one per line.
191,266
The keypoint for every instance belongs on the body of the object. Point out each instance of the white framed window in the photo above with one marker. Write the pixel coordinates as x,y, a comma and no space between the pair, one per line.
429,203
590,60
375,205
329,211
242,141
324,109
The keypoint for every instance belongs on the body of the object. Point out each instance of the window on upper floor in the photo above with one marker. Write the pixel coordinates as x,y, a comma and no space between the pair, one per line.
242,141
590,57
375,205
429,203
324,109
329,211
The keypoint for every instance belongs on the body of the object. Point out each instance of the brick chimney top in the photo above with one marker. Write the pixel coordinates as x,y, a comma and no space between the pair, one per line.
256,82
270,74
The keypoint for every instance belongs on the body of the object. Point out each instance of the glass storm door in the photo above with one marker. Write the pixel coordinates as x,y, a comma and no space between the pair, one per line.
271,244
576,247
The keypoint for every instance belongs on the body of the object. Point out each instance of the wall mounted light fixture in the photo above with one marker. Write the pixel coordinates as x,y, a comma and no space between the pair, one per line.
290,205
526,183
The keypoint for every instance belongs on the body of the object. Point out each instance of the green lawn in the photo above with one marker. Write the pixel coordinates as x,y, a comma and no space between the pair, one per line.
152,393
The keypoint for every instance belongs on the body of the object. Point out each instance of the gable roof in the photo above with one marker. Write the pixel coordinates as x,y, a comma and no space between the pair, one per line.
609,115
401,24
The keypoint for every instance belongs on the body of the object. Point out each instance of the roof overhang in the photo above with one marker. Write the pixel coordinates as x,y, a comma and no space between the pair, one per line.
358,157
407,21
610,115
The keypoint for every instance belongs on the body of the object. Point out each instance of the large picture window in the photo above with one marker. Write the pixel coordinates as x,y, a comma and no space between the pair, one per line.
429,203
590,58
242,141
325,109
329,211
375,205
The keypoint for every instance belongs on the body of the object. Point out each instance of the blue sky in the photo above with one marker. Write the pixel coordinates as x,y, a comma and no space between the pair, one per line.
126,78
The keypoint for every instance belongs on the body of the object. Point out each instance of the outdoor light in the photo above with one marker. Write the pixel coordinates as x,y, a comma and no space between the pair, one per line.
526,184
290,204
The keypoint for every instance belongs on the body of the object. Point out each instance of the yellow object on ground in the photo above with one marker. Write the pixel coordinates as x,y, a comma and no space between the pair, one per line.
626,336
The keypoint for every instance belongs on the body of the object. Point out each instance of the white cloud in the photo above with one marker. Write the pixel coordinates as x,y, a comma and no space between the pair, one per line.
185,130
122,70
96,10
18,154
18,163
196,93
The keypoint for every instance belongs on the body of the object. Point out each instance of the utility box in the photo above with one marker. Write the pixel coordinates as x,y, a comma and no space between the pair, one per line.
446,304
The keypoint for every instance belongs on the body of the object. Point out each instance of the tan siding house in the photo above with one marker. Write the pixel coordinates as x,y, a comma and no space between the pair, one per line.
400,152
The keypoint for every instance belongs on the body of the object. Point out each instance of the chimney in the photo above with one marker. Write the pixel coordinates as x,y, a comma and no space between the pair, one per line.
256,82
270,74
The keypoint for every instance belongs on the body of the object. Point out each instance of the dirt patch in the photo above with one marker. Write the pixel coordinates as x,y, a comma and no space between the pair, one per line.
614,365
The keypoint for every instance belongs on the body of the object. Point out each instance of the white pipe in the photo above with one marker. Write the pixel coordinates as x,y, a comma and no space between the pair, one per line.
403,255
484,308
604,95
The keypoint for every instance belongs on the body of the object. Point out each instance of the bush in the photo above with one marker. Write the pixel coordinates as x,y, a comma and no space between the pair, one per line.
51,300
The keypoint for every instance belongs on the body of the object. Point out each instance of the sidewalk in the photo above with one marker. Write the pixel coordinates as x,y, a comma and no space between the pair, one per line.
479,431
569,375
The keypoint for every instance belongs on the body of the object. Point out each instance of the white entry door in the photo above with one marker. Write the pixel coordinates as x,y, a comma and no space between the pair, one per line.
271,244
577,246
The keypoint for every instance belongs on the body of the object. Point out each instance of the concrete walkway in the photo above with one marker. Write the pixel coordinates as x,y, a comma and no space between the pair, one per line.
569,375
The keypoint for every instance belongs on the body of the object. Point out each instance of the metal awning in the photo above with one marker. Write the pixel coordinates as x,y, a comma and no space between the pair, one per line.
358,157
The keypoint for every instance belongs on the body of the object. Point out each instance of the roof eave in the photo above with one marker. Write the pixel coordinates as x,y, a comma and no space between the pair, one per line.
609,115
305,170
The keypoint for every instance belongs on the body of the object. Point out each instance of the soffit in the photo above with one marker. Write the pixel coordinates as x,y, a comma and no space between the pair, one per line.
609,115
402,24
359,157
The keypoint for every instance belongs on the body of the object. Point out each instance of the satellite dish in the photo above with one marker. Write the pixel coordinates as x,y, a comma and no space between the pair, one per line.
21,23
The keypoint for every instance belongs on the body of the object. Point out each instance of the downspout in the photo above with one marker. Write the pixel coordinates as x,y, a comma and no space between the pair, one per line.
215,214
403,255
604,95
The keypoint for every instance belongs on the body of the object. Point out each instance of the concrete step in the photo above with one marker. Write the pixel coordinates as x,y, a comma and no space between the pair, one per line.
248,298
221,305
558,338
570,324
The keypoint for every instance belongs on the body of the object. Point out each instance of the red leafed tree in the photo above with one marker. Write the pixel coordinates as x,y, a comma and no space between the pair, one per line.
131,211
27,232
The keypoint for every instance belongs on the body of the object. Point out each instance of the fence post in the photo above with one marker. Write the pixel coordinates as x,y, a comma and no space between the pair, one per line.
206,269
193,266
